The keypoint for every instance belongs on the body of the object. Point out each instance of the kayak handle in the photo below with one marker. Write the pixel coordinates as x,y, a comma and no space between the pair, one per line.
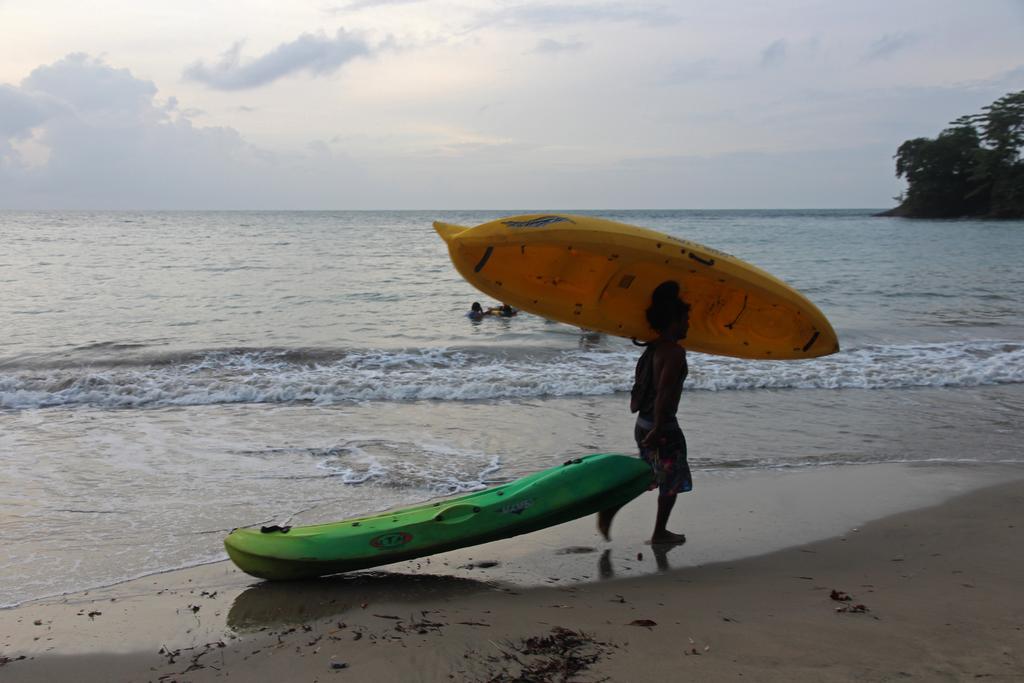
456,513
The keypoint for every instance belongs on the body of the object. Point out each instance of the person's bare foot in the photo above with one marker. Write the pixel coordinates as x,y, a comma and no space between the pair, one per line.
604,523
667,538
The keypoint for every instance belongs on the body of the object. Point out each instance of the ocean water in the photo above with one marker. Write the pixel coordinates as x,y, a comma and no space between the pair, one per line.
166,376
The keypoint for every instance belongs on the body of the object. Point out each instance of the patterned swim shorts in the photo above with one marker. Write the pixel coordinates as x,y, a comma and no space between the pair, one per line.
668,459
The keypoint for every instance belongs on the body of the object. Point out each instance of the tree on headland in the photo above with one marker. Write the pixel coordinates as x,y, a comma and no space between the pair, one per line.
972,168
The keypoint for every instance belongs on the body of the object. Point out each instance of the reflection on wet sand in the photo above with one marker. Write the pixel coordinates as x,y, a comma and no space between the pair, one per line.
276,603
604,565
660,551
291,602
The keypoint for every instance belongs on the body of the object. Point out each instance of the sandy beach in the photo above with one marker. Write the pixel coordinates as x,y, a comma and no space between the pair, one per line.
927,593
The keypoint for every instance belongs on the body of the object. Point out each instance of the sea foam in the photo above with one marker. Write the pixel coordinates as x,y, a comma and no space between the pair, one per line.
333,376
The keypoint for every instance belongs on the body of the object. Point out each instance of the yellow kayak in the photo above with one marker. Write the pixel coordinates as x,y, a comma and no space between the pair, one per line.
599,274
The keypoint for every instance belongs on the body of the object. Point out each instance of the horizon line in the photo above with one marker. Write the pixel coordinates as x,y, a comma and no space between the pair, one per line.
422,210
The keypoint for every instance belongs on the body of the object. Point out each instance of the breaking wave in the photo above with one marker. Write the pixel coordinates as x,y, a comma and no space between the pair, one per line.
325,376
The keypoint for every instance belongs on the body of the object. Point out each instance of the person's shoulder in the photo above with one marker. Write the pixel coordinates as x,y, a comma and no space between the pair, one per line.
670,350
670,347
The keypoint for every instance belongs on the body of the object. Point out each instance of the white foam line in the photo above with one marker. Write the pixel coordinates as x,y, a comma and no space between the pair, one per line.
439,374
116,582
855,463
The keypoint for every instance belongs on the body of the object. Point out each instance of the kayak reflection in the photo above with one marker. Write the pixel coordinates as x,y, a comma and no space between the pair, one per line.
273,604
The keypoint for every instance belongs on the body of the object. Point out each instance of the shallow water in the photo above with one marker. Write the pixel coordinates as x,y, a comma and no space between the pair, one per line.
167,376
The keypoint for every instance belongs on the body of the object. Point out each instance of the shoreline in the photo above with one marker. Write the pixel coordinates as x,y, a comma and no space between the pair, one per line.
233,622
532,560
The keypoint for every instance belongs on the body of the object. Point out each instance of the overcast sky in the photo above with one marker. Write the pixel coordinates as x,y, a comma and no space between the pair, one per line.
356,104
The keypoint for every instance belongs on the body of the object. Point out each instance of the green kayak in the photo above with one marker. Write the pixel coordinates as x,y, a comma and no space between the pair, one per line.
560,494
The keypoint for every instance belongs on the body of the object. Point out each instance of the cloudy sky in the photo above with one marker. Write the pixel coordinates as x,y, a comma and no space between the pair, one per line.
503,104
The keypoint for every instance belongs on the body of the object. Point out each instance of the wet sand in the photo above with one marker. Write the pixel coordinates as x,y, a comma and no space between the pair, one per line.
95,496
933,594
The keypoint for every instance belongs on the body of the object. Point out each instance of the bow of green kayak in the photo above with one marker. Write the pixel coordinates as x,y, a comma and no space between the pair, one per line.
577,488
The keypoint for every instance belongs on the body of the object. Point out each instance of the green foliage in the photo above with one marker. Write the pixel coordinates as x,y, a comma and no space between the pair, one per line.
972,168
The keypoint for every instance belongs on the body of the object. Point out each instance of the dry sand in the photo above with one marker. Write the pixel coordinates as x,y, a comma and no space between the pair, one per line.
934,594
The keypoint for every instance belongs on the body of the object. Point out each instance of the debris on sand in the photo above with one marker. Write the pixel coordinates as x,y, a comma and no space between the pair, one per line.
646,623
483,564
849,607
420,626
855,609
558,657
198,652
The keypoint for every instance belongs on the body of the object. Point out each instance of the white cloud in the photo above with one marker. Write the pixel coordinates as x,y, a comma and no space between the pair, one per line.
554,13
21,111
358,5
316,54
91,87
100,138
889,44
694,71
775,53
552,46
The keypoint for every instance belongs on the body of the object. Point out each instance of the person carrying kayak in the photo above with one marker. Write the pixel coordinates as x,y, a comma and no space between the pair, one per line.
658,384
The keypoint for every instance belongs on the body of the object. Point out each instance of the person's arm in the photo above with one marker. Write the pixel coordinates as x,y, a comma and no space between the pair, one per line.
668,383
